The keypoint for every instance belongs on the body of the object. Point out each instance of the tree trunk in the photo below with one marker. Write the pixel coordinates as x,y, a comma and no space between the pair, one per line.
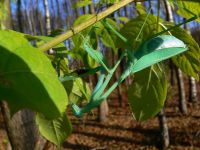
53,16
169,13
164,129
21,129
91,9
32,18
28,18
59,16
181,88
165,141
103,108
19,15
169,17
172,73
47,17
193,90
39,18
103,111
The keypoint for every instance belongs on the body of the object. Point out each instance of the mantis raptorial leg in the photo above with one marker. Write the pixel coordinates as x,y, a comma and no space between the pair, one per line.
98,96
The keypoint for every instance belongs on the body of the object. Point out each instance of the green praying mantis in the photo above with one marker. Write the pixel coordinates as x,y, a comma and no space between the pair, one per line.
155,50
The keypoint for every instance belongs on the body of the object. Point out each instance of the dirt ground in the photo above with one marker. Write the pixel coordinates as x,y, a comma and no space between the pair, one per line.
122,132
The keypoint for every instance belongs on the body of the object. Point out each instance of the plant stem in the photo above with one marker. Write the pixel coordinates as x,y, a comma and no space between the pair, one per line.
84,25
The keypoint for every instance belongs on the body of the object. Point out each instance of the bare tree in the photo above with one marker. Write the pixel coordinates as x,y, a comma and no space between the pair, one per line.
193,87
179,74
181,88
19,15
165,141
39,24
32,18
164,129
28,17
193,90
47,17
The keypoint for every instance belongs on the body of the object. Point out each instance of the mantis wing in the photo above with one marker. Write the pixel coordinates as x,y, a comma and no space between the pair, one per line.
157,49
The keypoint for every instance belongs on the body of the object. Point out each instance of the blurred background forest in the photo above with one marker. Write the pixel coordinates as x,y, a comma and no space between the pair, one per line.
112,126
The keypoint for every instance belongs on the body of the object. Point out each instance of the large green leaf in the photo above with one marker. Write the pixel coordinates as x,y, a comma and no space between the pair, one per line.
27,78
188,62
56,130
184,6
147,93
133,27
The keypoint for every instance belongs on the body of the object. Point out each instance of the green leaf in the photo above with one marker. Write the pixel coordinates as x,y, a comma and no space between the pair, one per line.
40,40
56,130
82,3
78,51
3,13
140,8
147,93
56,32
78,90
108,1
186,7
45,39
157,49
82,19
123,19
133,27
189,62
108,37
27,78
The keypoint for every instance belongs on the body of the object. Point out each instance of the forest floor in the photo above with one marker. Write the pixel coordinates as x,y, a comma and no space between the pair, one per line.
122,132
